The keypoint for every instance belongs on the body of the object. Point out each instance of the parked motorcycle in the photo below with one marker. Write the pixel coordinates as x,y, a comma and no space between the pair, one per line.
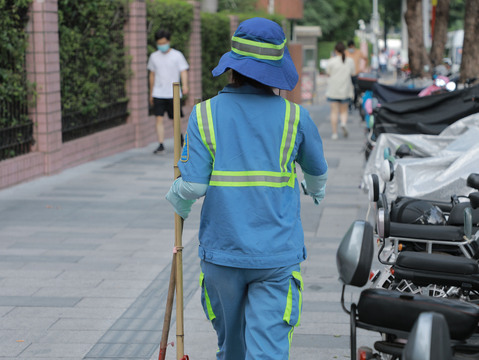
411,265
392,313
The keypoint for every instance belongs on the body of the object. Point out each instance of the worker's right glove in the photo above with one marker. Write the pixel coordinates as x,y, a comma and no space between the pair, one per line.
181,206
315,186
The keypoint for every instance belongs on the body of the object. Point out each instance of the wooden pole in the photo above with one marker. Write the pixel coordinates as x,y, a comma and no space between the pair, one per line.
168,310
180,346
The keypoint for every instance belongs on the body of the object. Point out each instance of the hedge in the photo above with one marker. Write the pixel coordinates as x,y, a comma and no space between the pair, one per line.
215,41
93,64
15,90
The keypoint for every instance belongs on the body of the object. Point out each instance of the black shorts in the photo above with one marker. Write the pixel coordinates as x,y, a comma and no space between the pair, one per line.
160,106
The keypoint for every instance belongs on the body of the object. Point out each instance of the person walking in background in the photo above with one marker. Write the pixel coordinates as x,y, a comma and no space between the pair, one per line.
240,152
360,63
166,66
383,61
340,91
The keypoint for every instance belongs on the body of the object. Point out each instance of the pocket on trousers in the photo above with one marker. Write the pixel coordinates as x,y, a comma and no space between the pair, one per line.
205,299
294,300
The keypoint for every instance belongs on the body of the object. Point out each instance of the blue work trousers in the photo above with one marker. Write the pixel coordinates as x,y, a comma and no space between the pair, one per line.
253,311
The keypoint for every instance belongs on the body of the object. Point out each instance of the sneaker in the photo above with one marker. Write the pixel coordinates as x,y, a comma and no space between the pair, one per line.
345,131
160,149
334,137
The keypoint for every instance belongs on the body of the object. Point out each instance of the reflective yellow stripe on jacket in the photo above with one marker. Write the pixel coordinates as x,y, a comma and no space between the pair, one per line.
280,178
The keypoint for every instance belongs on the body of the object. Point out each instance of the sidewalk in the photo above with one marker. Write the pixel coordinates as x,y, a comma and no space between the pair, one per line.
85,259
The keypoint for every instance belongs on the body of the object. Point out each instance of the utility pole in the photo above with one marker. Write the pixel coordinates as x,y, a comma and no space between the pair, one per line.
375,27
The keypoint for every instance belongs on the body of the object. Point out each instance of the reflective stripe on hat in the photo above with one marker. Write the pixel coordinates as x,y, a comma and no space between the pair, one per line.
280,178
257,49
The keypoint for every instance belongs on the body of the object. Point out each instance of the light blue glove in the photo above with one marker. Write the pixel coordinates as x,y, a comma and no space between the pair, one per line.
181,206
315,186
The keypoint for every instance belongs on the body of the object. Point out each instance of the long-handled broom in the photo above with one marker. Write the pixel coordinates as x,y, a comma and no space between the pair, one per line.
176,276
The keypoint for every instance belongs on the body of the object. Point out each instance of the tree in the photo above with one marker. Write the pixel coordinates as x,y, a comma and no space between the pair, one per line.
390,13
338,19
470,48
440,32
418,58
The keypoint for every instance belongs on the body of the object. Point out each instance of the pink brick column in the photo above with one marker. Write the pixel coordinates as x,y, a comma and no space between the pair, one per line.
194,74
137,85
43,68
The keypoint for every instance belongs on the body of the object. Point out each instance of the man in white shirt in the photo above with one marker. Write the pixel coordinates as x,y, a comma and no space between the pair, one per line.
166,66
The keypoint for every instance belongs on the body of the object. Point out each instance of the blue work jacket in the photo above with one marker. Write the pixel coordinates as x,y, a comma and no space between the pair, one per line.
245,143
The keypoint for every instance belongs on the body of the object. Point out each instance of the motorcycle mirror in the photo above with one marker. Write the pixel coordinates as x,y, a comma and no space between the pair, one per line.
468,222
451,86
355,254
429,339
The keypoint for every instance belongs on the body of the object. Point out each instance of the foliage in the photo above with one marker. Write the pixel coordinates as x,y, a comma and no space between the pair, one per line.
175,16
93,64
390,13
14,88
215,40
338,19
456,15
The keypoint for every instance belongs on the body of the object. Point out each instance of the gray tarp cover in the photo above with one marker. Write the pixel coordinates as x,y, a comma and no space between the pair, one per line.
440,166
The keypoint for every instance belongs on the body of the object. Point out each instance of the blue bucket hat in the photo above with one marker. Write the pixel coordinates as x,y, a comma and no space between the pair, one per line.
258,51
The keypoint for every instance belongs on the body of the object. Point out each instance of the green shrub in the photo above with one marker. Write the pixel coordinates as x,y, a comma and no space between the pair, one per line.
15,90
215,41
175,16
93,64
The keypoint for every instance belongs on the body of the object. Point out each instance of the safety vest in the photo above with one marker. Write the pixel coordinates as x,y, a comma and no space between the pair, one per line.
286,174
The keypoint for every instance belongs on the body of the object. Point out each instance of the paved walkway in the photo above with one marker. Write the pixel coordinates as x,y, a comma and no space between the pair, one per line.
85,259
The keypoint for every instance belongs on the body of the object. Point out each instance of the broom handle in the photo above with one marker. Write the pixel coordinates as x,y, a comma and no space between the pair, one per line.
178,227
168,310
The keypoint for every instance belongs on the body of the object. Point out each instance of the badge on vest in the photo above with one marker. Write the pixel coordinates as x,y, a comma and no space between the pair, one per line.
185,153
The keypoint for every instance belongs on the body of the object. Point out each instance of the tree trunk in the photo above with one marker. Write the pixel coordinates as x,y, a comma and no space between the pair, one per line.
470,48
417,54
440,32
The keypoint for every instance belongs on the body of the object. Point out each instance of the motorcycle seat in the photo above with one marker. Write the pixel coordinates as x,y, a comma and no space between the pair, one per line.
437,262
424,269
386,309
426,232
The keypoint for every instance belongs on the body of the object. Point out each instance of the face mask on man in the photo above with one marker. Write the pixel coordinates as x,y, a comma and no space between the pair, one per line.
163,48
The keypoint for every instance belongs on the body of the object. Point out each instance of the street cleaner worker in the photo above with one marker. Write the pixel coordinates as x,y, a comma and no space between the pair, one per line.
240,152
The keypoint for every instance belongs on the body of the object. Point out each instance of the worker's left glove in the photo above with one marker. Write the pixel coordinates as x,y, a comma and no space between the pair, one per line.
315,186
181,206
